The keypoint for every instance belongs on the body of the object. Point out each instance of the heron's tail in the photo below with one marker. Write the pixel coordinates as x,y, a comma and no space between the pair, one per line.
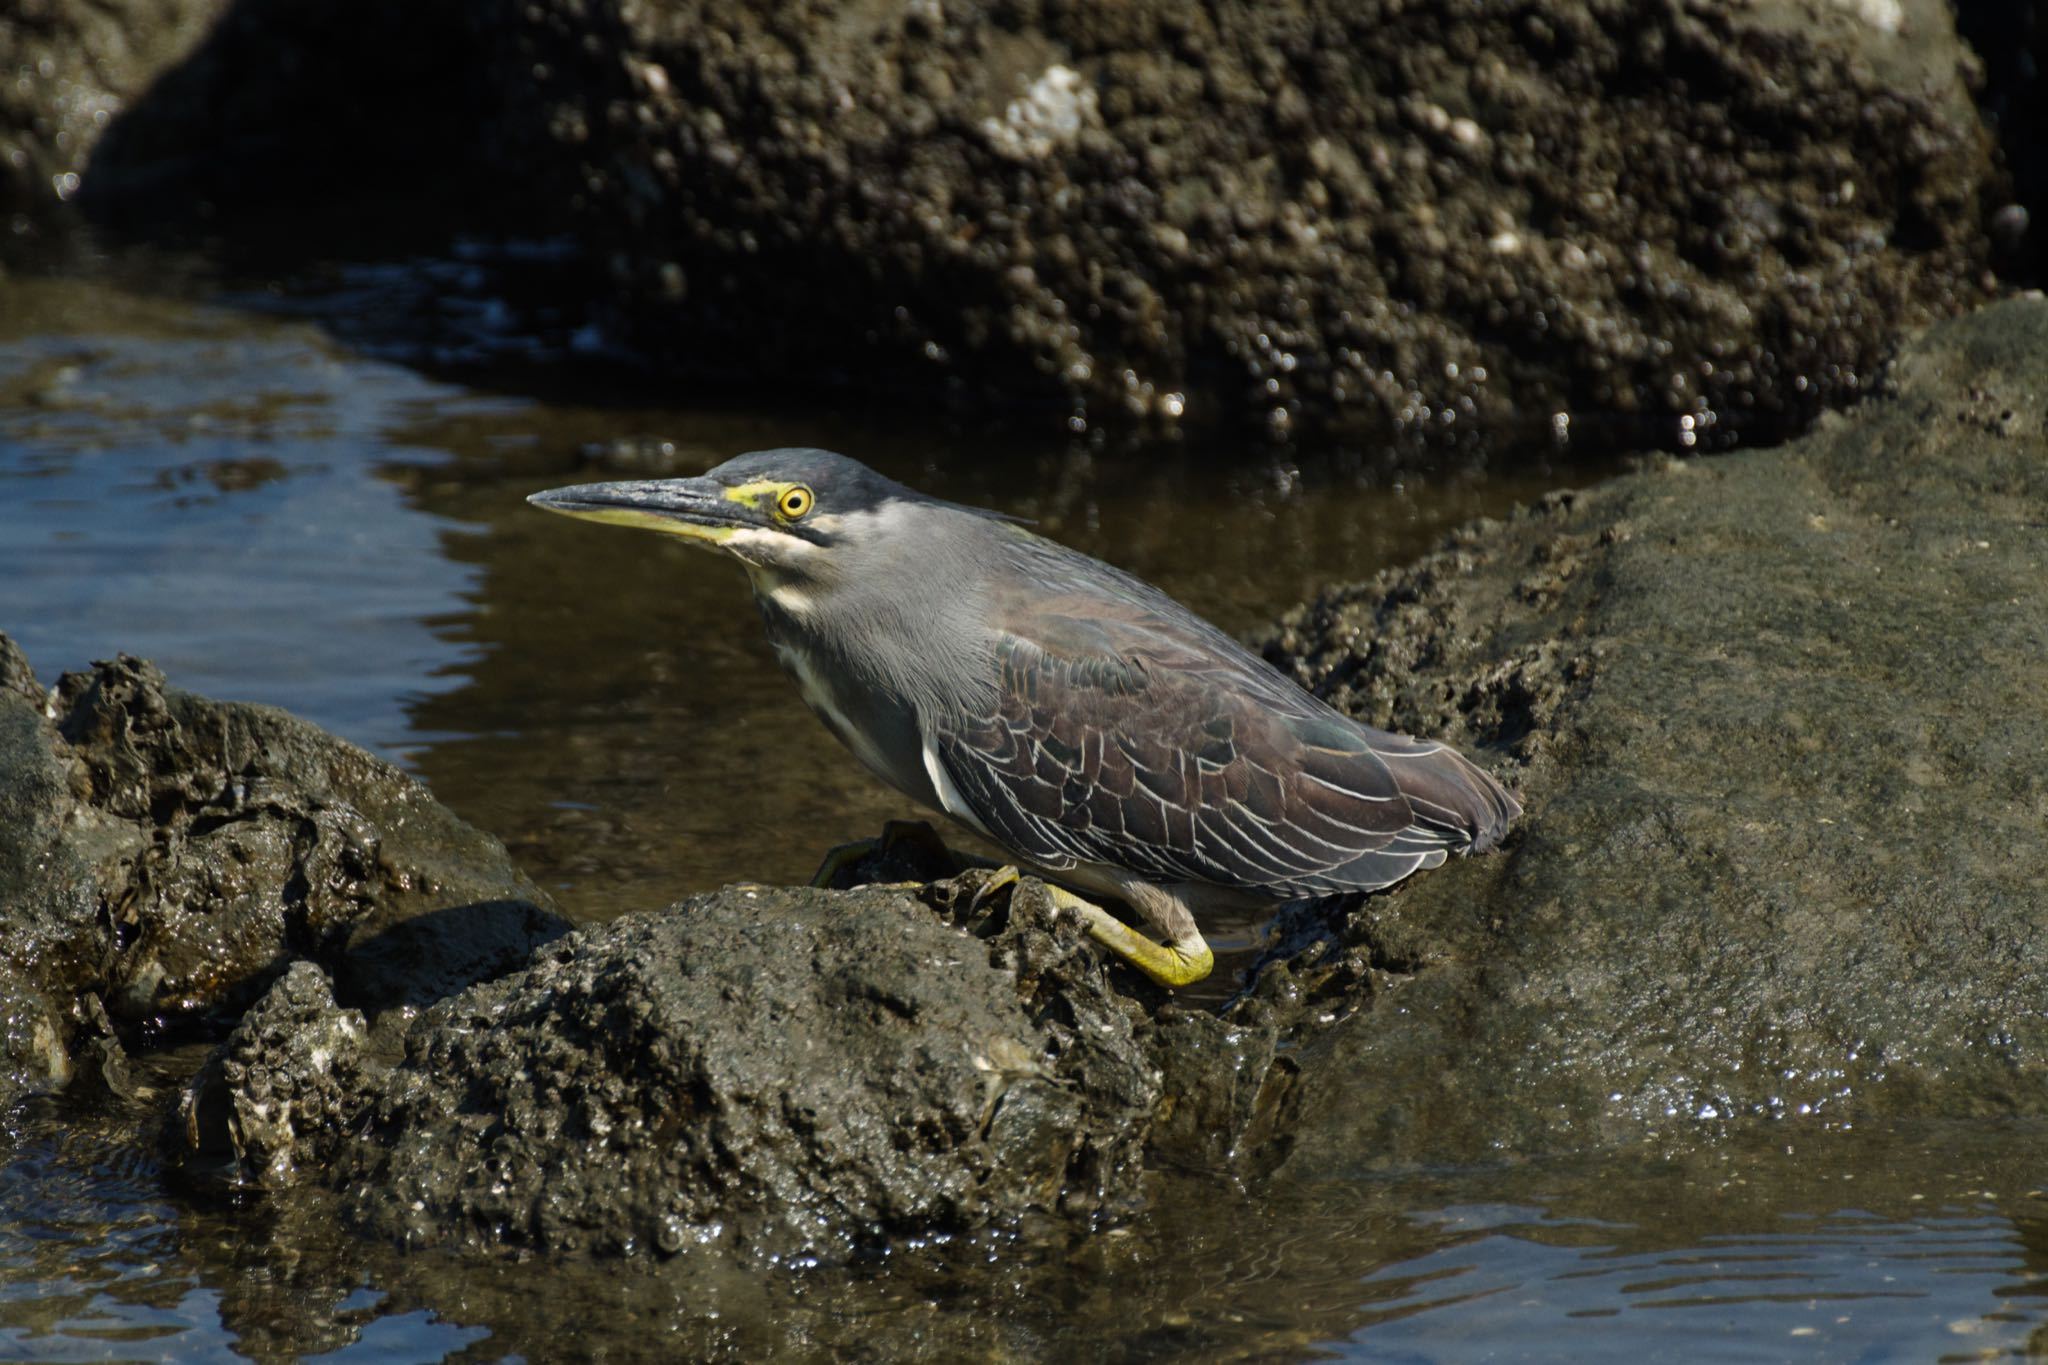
1448,792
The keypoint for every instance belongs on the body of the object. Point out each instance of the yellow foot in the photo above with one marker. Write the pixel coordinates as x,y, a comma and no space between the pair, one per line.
894,832
1171,965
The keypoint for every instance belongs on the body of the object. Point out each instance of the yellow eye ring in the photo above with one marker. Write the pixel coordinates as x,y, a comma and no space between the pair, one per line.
795,501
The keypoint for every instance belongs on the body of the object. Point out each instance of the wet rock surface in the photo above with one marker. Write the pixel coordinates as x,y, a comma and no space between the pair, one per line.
781,1075
797,1075
276,1095
1425,226
164,857
1780,715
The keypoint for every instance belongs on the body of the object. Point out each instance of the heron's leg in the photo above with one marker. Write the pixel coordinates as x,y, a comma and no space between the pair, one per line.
1182,962
894,832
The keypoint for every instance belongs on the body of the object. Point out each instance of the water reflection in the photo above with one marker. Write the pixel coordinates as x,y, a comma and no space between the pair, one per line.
98,1262
179,484
1915,1243
1841,1285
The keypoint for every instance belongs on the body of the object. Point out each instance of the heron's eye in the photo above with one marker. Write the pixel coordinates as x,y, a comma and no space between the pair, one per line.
794,502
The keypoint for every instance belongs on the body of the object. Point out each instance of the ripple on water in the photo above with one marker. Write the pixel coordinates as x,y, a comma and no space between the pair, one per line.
98,1262
204,491
1841,1285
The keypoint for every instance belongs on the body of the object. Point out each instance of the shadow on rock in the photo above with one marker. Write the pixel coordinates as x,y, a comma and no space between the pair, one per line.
275,103
418,960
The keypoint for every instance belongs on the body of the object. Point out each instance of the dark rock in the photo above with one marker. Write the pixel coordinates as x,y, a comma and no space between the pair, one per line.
54,945
784,1074
2010,37
1674,223
170,856
97,1049
1781,715
70,69
307,121
1416,224
15,674
271,1101
792,1074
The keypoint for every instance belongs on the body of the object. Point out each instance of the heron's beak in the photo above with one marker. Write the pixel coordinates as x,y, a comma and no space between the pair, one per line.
701,510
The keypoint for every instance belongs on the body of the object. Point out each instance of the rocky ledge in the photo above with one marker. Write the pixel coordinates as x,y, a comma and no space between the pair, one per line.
785,1074
1415,224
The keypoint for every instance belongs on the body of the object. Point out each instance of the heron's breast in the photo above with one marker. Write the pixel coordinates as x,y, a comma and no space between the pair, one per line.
882,732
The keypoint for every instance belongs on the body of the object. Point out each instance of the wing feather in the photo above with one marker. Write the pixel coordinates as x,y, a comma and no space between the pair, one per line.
1171,776
1124,731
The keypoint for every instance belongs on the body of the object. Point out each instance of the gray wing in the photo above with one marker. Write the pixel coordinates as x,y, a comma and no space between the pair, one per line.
1125,731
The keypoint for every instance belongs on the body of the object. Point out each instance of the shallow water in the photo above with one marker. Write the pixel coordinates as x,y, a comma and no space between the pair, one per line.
1914,1244
271,497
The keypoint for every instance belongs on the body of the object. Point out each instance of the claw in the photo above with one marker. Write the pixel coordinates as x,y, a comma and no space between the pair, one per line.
1007,875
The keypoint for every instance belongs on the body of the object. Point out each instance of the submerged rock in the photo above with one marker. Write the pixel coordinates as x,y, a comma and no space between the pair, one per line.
1782,715
169,856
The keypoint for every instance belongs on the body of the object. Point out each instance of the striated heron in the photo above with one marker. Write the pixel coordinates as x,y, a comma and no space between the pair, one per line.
1077,717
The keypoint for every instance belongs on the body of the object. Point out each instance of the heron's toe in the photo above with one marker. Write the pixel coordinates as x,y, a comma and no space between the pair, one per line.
841,857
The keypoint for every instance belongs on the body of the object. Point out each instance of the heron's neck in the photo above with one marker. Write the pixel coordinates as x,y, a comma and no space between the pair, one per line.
911,628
